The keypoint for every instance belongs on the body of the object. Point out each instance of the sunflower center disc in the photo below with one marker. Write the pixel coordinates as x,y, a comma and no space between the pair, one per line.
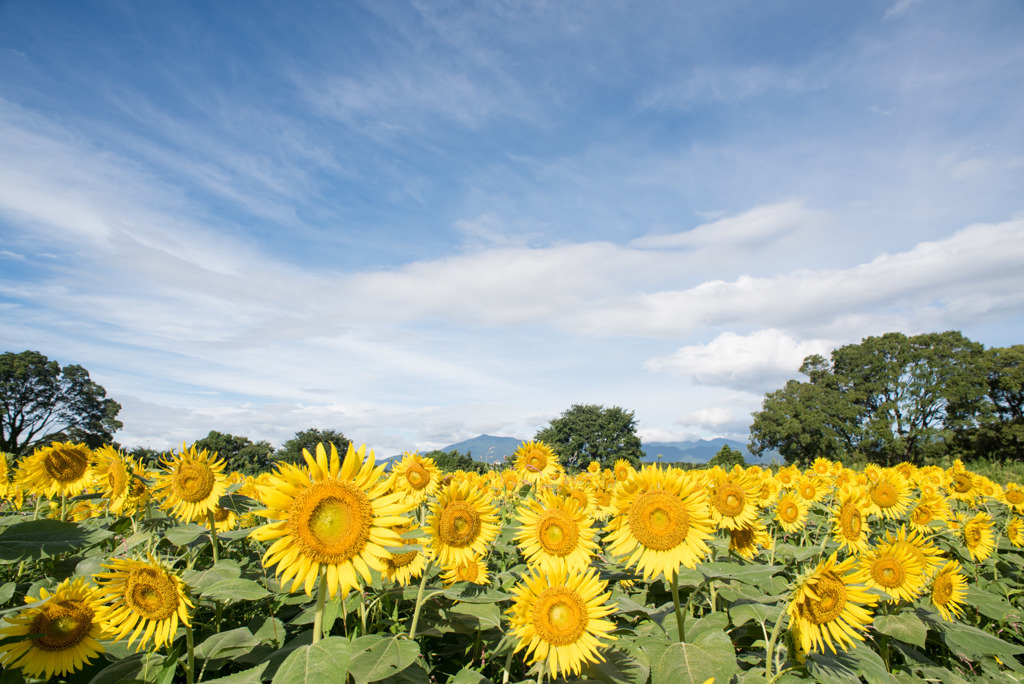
460,524
884,495
831,601
851,521
889,573
400,560
193,482
962,483
1015,496
467,572
943,590
808,491
417,477
150,594
730,500
789,512
560,616
65,465
558,534
333,520
658,520
63,624
921,516
972,535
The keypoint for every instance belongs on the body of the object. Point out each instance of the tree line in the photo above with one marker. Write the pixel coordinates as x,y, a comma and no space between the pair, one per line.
897,398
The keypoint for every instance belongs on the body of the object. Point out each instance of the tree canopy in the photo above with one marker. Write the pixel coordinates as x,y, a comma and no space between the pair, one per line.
239,453
727,457
590,432
41,402
891,398
291,451
450,461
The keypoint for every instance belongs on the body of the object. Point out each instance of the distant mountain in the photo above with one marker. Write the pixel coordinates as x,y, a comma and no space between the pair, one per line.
701,451
487,448
492,449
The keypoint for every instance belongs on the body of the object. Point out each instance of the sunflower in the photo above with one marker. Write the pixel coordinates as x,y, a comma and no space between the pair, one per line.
889,495
919,546
191,484
733,501
148,601
224,519
330,516
593,467
823,467
61,629
462,523
661,522
812,488
961,483
1014,497
769,490
791,512
536,463
622,470
1015,532
111,473
61,469
895,570
418,477
745,540
829,607
581,495
949,591
979,538
5,473
555,533
927,511
401,568
848,526
559,619
472,570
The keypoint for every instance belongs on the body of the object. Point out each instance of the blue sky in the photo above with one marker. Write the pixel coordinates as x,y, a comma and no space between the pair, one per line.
419,222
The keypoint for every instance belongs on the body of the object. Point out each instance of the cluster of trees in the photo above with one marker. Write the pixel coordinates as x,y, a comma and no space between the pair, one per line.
590,432
898,398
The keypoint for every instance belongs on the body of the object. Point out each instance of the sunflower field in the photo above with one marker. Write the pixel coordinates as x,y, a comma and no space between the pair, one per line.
343,571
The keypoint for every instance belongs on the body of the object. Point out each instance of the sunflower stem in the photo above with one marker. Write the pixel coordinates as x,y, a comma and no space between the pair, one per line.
321,599
679,610
419,600
190,667
769,652
63,506
213,536
508,666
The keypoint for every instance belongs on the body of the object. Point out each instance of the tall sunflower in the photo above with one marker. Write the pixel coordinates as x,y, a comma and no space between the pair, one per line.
402,567
733,501
418,477
791,512
979,538
331,516
889,495
67,626
536,463
1015,532
555,533
463,521
661,522
894,570
113,476
148,601
472,570
622,470
1014,497
848,526
61,469
949,591
191,483
559,619
829,607
745,540
927,511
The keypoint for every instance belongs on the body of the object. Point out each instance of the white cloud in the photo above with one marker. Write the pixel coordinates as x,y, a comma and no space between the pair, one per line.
755,363
750,228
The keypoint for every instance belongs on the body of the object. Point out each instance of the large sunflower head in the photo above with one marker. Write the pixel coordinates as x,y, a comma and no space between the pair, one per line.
1015,532
191,483
113,475
979,538
733,501
949,591
463,521
829,606
333,517
812,488
536,463
61,631
472,570
661,522
791,512
895,570
849,525
418,477
62,468
555,533
558,618
745,541
148,600
889,495
1014,497
961,484
927,512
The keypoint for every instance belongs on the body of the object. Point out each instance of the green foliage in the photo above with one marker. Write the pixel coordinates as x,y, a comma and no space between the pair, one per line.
892,398
727,457
238,453
40,402
450,461
589,432
307,439
1000,432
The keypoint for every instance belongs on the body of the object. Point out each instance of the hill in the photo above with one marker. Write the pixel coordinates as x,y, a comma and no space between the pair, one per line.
487,448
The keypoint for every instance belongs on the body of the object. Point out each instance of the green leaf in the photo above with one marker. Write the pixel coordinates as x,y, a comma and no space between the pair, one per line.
481,616
385,658
467,676
126,669
467,592
712,655
235,590
743,612
713,622
619,667
903,626
992,606
199,580
183,535
414,674
35,539
975,643
326,661
750,574
227,644
237,503
250,676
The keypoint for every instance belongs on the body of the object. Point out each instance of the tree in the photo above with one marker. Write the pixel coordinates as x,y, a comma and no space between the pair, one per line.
238,453
307,439
589,432
41,402
450,461
1000,430
803,421
727,457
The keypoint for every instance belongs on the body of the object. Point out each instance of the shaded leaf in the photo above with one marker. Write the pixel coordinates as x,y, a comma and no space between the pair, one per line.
227,644
35,539
385,658
903,626
250,676
320,663
711,655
